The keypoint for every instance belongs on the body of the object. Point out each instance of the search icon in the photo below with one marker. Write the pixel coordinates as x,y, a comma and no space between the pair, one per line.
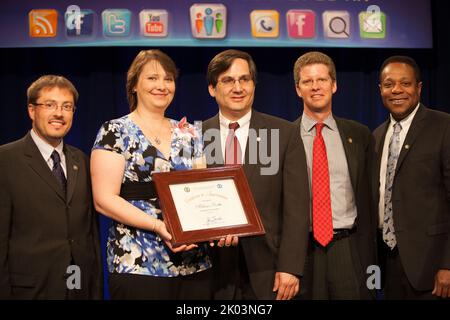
336,24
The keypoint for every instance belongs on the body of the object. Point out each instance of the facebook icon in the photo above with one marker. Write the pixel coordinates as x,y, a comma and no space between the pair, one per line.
301,23
79,22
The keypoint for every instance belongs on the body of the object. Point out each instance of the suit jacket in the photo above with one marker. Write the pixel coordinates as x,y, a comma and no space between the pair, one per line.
421,195
283,203
42,231
358,147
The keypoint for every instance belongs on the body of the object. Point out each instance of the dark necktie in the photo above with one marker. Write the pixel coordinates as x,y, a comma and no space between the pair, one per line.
58,170
233,152
321,202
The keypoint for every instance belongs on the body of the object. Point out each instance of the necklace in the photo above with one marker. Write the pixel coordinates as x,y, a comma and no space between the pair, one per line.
156,138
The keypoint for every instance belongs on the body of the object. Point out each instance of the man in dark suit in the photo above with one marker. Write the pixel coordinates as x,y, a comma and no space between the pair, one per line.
49,244
412,187
269,266
338,153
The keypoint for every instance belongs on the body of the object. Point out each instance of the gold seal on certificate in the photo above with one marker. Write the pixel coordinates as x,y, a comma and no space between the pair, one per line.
207,204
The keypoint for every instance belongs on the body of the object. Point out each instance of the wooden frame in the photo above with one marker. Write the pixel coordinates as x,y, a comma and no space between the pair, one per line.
163,182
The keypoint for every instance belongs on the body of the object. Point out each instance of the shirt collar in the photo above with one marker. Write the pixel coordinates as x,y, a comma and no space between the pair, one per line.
308,123
44,148
245,120
406,122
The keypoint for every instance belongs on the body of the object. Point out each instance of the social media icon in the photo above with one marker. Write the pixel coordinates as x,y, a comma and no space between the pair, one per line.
372,23
43,23
265,23
116,22
78,22
301,23
208,20
154,23
336,24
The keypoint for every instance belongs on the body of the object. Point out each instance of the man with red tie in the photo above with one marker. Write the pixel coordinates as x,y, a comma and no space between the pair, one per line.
338,151
269,266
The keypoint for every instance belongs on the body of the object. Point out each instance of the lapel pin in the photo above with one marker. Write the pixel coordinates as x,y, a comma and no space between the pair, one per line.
75,167
350,140
406,146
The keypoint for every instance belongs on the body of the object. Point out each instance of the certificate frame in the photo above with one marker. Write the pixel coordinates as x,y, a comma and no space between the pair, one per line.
163,181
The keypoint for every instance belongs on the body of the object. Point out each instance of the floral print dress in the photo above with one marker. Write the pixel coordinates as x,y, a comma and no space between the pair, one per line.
136,251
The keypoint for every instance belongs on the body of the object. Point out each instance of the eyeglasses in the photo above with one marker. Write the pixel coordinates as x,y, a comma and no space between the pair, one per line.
230,81
53,105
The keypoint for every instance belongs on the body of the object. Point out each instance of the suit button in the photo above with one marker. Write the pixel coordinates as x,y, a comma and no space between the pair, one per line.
71,241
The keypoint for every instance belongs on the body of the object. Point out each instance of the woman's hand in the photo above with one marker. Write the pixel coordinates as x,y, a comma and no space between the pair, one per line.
161,230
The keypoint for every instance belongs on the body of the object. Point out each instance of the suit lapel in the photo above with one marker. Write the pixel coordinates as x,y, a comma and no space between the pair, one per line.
39,165
380,144
215,124
349,143
256,123
413,132
72,166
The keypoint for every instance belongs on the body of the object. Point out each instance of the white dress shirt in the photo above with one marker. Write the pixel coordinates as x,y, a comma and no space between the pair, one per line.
405,123
241,133
46,151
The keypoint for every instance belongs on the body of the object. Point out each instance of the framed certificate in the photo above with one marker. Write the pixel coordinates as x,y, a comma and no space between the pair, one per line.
207,204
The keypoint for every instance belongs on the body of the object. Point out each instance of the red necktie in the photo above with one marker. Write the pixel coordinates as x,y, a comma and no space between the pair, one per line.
321,202
233,153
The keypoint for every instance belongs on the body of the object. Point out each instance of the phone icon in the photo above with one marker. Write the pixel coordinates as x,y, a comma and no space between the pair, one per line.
265,23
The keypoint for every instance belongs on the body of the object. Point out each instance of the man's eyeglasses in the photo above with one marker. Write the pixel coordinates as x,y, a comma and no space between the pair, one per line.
230,81
53,105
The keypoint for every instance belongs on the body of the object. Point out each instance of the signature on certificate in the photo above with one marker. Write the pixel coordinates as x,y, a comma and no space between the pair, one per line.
213,220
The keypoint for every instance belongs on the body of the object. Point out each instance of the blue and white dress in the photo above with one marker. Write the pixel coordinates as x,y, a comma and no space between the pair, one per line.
136,251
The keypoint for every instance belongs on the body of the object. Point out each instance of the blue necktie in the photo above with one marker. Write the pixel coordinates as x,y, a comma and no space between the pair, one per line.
388,223
58,170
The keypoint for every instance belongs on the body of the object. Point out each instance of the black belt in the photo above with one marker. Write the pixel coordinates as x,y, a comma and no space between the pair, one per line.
138,190
339,234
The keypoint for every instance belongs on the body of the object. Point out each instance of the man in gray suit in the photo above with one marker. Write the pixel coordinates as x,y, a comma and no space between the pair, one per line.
49,242
269,266
412,187
339,153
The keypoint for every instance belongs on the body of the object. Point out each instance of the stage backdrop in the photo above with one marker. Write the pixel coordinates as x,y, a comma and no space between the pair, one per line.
250,23
99,74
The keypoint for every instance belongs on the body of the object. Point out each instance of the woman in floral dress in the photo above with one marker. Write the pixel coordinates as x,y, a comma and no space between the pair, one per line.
141,261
